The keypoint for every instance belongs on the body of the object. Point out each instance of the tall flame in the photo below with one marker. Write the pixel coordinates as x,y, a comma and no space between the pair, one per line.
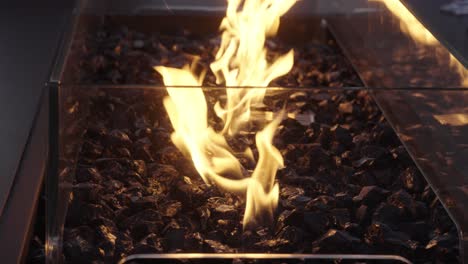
416,30
263,192
242,57
209,150
241,61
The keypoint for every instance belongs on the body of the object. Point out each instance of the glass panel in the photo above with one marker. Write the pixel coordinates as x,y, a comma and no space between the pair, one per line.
109,39
382,43
108,86
433,126
348,186
390,48
69,114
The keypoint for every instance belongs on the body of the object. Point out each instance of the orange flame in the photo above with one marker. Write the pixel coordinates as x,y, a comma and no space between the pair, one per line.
241,61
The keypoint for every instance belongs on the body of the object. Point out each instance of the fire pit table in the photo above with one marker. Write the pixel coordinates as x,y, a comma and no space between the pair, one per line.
363,140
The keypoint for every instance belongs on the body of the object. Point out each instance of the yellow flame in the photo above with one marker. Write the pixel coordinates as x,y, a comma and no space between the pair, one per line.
242,57
410,25
263,192
209,150
241,61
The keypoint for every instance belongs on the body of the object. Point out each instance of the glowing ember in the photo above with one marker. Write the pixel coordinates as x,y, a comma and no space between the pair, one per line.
241,61
416,30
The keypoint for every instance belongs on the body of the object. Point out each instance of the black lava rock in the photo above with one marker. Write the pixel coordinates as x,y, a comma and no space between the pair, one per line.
335,241
371,196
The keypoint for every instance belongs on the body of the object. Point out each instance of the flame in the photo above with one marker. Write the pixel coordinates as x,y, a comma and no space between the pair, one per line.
263,192
188,112
242,58
410,25
240,61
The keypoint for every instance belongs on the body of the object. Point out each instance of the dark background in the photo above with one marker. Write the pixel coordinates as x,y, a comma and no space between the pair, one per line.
29,36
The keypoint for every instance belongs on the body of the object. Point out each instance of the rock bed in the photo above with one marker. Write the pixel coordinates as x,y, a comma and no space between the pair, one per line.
349,186
122,56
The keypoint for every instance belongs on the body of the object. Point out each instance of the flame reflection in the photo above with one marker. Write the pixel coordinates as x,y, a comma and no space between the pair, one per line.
411,26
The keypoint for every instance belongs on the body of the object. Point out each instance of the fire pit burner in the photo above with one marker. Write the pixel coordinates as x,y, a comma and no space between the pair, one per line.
348,186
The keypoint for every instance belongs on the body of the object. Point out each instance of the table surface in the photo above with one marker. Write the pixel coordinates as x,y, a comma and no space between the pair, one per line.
29,35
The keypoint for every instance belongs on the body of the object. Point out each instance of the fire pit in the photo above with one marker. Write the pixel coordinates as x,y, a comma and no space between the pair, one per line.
314,172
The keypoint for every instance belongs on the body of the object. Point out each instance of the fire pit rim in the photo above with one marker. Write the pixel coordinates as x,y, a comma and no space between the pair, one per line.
262,256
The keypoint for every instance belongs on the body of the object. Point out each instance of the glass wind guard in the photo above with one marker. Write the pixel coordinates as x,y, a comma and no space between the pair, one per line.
348,186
